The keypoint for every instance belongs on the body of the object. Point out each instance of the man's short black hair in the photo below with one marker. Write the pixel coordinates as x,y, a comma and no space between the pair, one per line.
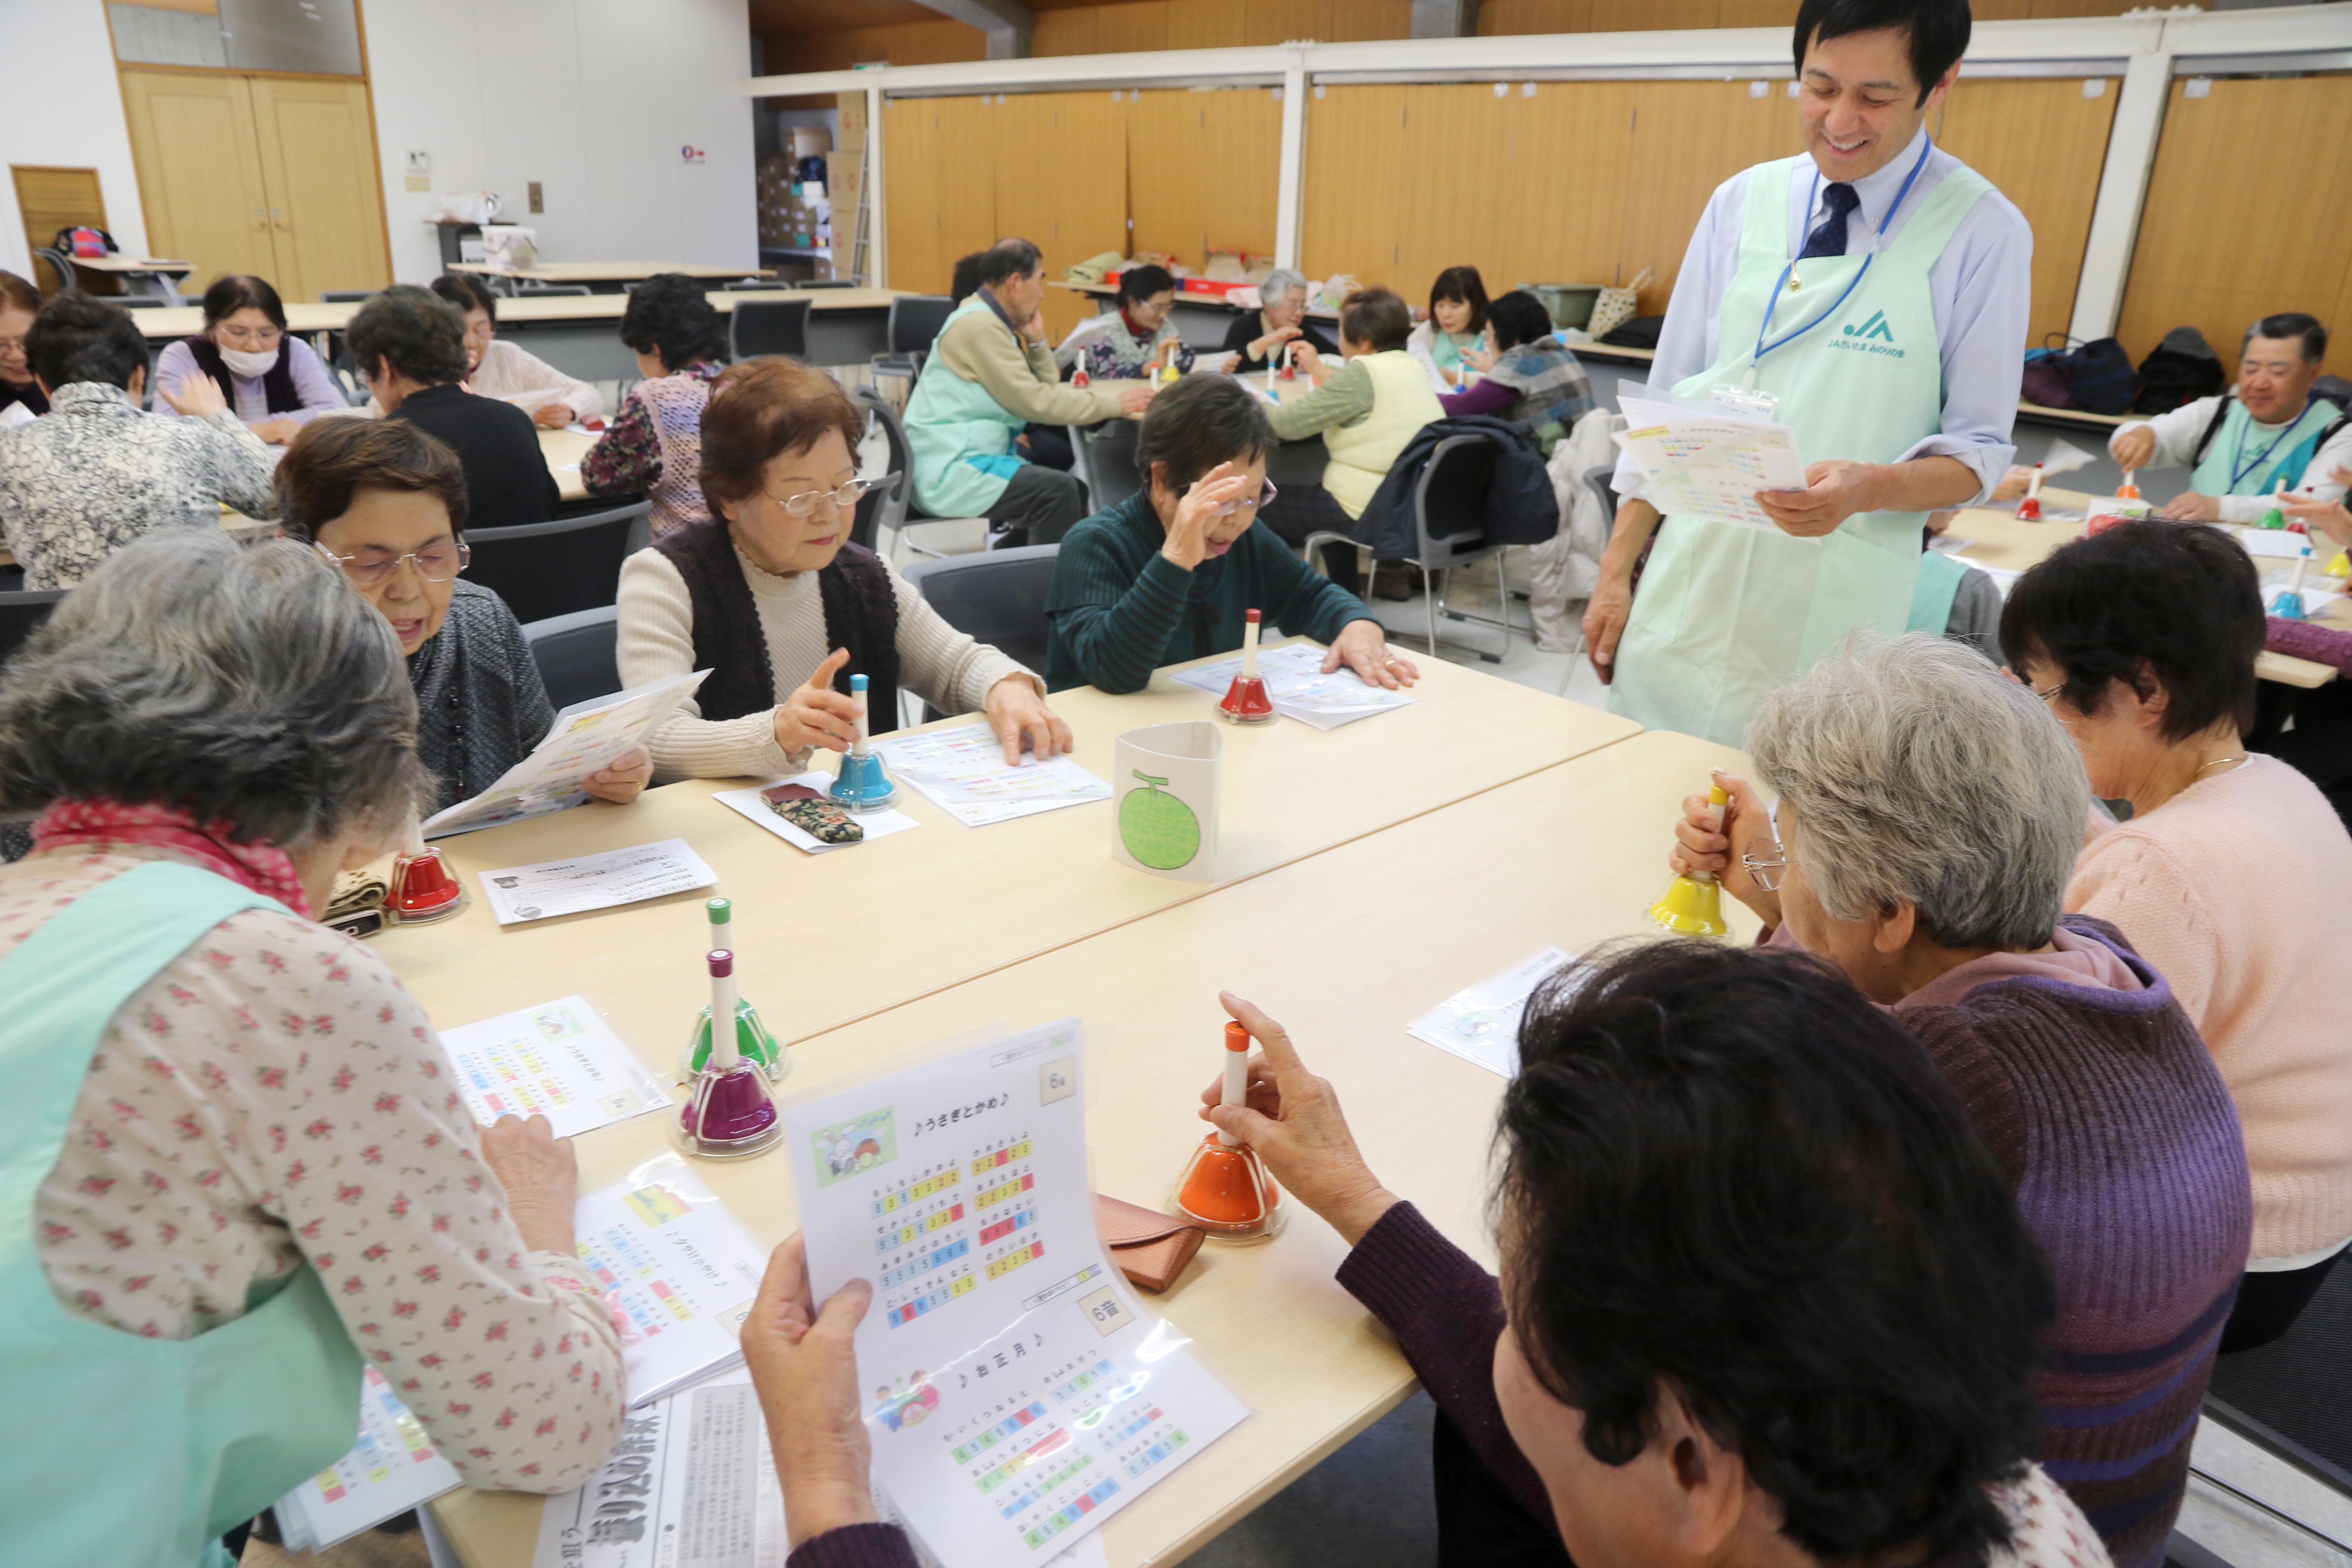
1200,422
414,331
1137,284
2152,603
1938,30
2291,324
1376,317
1009,259
1729,1173
1518,317
77,338
669,316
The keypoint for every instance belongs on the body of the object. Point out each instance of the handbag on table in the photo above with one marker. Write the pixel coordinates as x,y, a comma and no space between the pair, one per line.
1151,1248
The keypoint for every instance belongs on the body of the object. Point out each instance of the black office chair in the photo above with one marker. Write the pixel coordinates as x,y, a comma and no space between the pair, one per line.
756,327
1449,518
21,613
997,597
345,295
901,512
547,569
1105,457
578,655
60,263
914,323
524,290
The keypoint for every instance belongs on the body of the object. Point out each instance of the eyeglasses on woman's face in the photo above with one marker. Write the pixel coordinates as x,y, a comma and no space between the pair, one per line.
1264,497
247,336
1767,862
372,566
842,497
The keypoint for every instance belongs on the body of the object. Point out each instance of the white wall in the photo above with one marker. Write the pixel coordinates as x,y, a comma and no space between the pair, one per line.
63,106
590,97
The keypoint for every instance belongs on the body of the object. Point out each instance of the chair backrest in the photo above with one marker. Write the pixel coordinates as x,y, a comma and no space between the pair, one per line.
61,264
916,319
1449,505
1597,480
885,502
578,655
345,295
996,595
139,301
527,288
547,569
21,613
819,283
901,459
756,327
1108,453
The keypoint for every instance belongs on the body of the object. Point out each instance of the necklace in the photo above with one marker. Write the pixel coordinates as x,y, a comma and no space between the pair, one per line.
2218,761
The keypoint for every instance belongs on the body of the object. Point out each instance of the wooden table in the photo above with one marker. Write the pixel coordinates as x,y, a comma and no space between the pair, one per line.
1345,948
165,275
2006,544
923,911
577,333
595,272
563,449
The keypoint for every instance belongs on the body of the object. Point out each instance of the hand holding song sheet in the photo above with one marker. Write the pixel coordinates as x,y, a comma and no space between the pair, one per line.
1708,462
586,738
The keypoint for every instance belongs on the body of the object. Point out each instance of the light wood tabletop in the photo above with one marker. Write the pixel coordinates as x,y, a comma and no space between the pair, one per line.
603,271
134,265
1344,949
2006,544
563,449
171,321
921,910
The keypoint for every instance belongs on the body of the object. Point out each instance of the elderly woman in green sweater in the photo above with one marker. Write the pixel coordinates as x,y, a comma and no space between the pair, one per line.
1171,573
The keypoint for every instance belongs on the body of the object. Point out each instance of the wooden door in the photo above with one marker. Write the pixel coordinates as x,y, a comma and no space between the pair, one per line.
316,144
49,199
192,140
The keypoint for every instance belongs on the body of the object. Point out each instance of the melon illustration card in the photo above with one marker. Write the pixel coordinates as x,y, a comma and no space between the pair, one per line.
1165,780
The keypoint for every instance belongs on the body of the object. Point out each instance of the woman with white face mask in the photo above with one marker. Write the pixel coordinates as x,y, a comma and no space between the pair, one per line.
271,379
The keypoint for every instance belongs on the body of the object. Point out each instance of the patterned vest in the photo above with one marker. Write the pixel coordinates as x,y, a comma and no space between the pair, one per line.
676,403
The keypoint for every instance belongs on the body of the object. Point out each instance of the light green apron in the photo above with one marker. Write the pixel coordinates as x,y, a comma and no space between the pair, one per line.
131,1452
1725,612
960,436
2243,459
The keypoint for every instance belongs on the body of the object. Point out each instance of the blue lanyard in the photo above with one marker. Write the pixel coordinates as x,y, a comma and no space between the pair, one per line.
1877,239
2237,474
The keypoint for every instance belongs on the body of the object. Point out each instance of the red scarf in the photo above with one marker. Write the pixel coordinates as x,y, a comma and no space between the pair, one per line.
263,867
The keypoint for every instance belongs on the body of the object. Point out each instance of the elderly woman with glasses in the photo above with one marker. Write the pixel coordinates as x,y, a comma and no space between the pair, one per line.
1927,817
1138,339
273,380
1171,573
769,595
1256,336
235,1166
386,502
2225,870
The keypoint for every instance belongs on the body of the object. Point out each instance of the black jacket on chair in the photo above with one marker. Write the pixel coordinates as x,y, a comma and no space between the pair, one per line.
1521,507
507,481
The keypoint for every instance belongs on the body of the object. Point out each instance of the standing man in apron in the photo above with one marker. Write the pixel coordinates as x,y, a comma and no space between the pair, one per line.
1871,294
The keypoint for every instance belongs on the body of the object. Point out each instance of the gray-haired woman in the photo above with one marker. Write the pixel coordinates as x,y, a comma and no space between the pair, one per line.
236,1162
1927,817
1257,334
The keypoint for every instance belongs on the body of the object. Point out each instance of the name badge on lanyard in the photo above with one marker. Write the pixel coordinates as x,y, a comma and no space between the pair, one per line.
1745,399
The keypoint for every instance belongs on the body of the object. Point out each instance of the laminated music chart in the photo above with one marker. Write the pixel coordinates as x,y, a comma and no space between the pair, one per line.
390,1469
1016,1394
559,1059
678,1271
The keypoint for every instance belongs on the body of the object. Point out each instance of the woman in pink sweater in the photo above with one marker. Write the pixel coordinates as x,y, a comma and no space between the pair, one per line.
2143,641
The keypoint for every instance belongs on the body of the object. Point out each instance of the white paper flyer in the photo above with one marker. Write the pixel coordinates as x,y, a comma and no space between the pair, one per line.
1482,1024
559,1059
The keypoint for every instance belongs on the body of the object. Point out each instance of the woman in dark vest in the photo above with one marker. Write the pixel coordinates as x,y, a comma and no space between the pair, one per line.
272,380
771,597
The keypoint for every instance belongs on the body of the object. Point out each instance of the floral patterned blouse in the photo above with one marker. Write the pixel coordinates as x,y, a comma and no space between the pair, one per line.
654,445
275,1095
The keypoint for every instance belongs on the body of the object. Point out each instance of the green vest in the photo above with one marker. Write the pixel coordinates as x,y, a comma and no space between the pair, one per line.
959,438
2244,459
1724,611
1362,453
134,1451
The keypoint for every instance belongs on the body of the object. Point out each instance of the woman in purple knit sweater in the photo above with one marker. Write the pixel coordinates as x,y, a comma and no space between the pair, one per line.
1928,816
1765,1303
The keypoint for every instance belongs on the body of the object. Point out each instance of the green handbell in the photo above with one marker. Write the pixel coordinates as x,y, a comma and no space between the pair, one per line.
752,1039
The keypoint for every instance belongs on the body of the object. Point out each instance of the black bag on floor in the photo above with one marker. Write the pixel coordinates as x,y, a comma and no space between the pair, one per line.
1641,332
2177,371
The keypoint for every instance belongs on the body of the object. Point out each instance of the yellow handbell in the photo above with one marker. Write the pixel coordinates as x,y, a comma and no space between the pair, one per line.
1692,904
2342,565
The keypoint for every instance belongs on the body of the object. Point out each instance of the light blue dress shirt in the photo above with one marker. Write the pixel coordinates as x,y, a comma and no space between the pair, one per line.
1981,288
